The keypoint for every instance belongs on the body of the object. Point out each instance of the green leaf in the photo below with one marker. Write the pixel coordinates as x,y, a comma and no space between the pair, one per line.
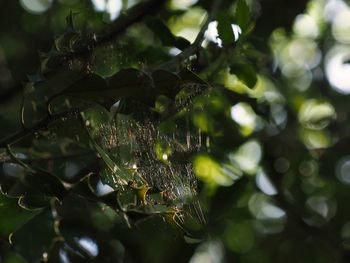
11,257
166,83
167,38
209,170
85,219
224,27
49,61
66,42
127,83
162,104
38,185
187,76
181,43
239,236
45,183
87,87
130,83
245,73
107,59
12,215
41,229
242,14
37,95
115,170
32,201
161,31
192,86
95,118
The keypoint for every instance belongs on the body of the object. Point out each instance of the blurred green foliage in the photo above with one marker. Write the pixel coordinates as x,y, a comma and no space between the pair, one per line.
174,131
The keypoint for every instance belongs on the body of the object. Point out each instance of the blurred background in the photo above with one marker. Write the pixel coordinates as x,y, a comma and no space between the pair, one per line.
276,181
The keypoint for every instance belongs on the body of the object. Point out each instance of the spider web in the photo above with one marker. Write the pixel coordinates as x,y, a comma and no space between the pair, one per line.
145,153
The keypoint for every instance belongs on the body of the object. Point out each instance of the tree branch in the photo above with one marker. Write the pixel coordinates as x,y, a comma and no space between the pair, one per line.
38,126
124,21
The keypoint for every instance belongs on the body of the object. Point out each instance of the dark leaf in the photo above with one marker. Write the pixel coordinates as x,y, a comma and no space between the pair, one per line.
245,73
45,183
12,215
32,201
88,87
167,38
35,237
161,31
225,28
130,83
36,96
166,83
66,42
242,14
187,76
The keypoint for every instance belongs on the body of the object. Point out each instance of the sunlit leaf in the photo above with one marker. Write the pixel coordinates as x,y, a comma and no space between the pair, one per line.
245,73
210,171
316,114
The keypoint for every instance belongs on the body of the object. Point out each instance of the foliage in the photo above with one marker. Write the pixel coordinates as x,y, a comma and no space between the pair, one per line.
173,132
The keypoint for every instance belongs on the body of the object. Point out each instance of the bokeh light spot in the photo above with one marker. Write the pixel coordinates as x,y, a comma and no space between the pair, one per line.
337,71
343,170
36,6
